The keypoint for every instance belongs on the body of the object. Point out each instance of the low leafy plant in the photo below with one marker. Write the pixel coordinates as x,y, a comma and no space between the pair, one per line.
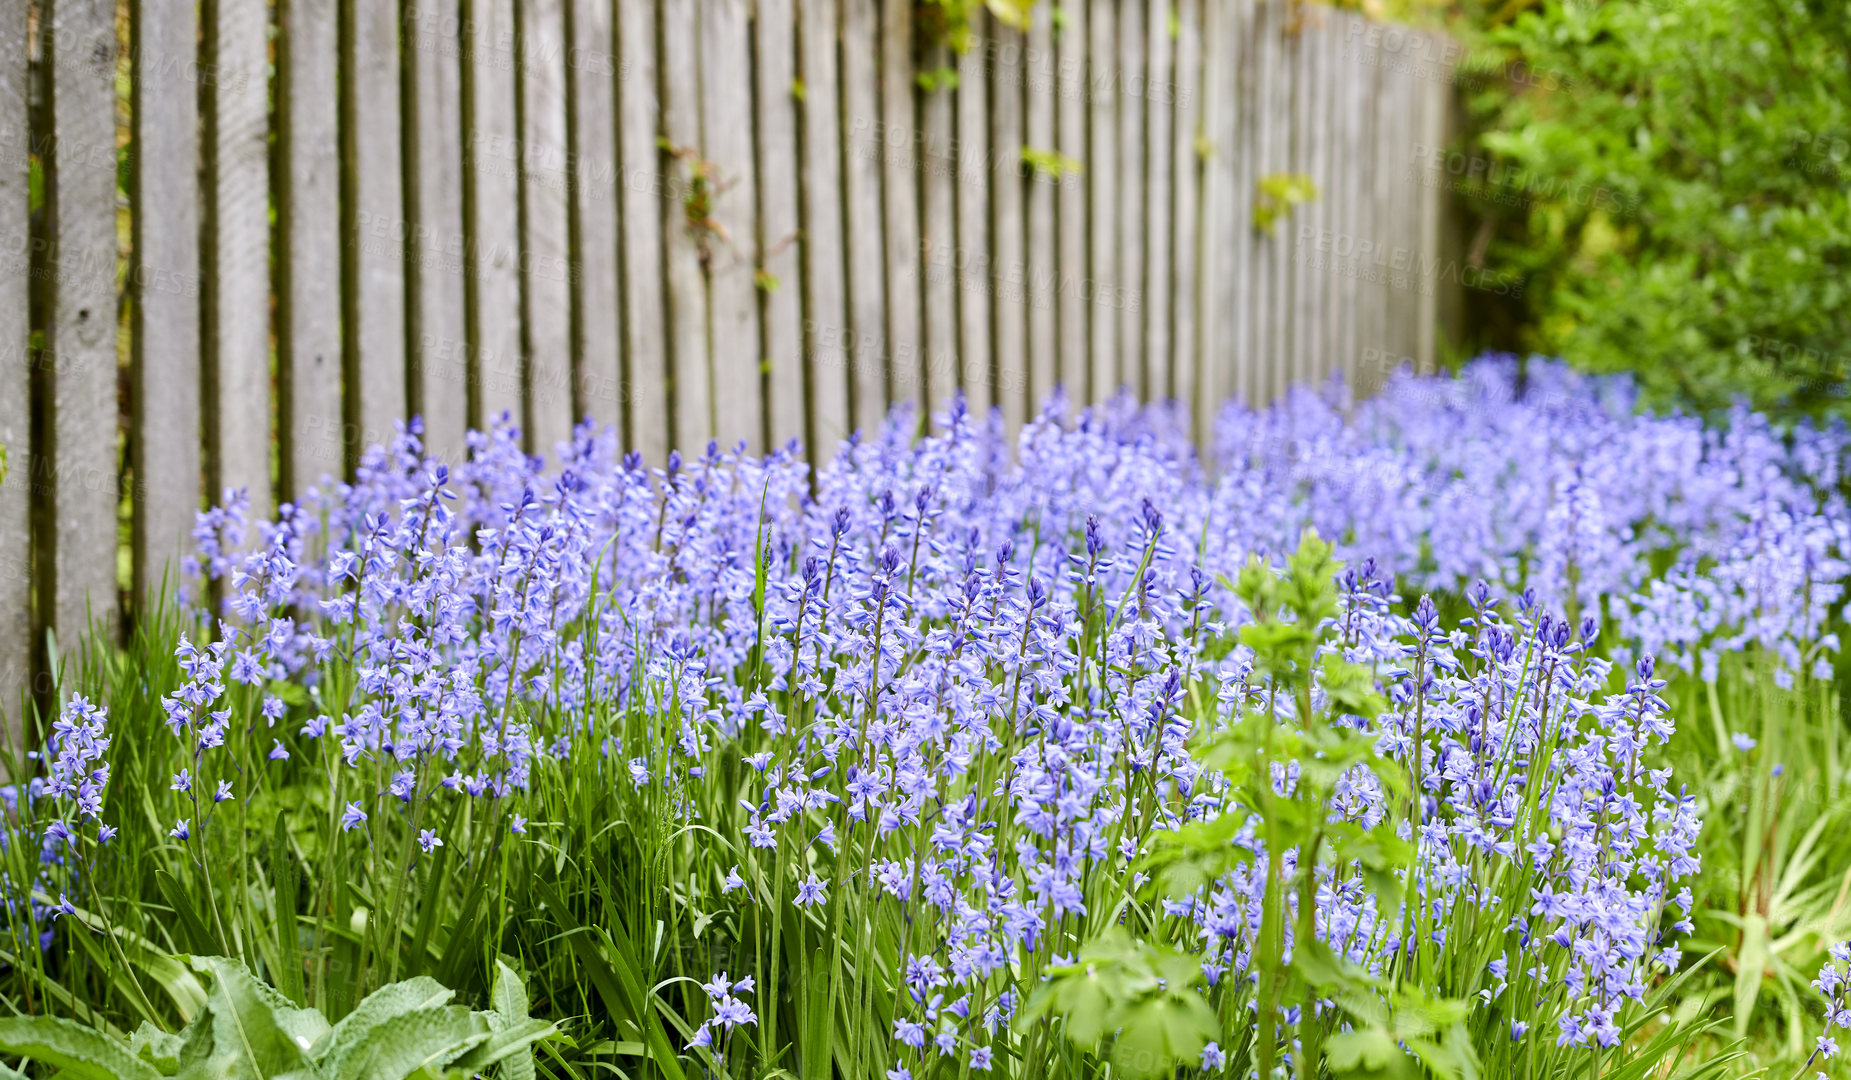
404,1031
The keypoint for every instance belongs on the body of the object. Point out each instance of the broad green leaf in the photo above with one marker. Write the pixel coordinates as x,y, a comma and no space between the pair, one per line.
402,1044
159,1048
383,1004
511,1045
255,1033
80,1052
509,997
1162,1032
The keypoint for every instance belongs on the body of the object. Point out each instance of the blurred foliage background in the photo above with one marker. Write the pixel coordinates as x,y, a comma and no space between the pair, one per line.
1670,176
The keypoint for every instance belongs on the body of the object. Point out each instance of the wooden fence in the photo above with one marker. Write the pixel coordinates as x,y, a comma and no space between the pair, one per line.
238,242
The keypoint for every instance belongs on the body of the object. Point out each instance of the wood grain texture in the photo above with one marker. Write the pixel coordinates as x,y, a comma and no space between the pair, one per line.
864,251
1159,103
1215,293
898,144
684,228
1133,211
825,296
1432,100
1040,85
938,165
1008,225
438,386
308,288
592,70
237,253
18,563
1100,289
1070,208
726,105
491,214
547,271
1186,242
164,441
78,484
971,257
781,297
641,196
373,212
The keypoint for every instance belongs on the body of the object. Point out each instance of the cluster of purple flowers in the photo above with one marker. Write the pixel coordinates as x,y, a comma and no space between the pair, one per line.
963,674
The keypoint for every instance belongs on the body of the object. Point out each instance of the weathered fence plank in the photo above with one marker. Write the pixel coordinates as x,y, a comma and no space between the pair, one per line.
490,201
164,286
1132,213
1039,85
547,272
733,304
825,300
686,226
592,71
938,165
1008,229
864,252
78,360
18,568
641,197
899,149
1070,294
970,264
308,297
779,271
1102,86
373,209
434,243
1186,176
236,257
1159,104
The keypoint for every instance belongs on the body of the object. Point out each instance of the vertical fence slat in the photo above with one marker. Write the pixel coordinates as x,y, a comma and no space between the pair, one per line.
1133,211
79,356
164,285
781,298
434,245
592,70
373,207
1259,71
938,238
1306,148
1039,75
690,374
491,217
726,102
308,308
236,258
1283,45
1102,159
970,262
1159,104
1185,172
1008,272
1352,115
861,180
1215,351
898,146
17,565
1235,174
1433,94
639,223
547,272
1070,294
825,303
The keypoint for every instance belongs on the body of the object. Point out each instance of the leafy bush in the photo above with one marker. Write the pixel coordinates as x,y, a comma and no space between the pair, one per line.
1676,191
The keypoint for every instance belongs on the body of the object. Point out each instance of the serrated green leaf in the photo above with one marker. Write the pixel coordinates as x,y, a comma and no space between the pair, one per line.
80,1052
509,997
